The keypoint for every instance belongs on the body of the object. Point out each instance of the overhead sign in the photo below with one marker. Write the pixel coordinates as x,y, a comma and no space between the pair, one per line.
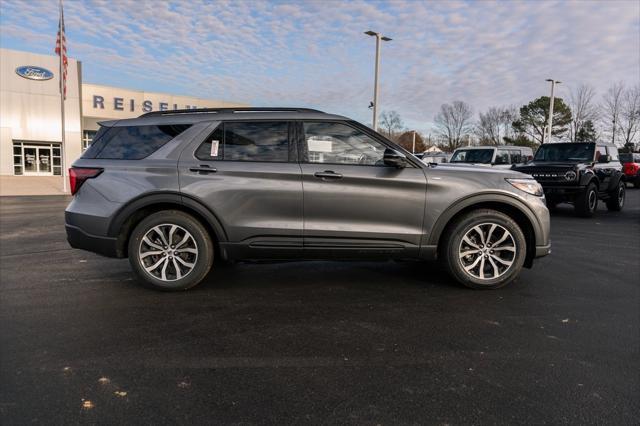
32,72
122,104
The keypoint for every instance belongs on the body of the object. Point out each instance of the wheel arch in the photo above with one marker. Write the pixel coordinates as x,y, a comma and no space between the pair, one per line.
126,219
508,205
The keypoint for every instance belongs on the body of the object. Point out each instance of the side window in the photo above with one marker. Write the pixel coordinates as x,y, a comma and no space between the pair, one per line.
211,148
136,142
613,152
256,141
247,141
516,157
502,157
337,143
600,150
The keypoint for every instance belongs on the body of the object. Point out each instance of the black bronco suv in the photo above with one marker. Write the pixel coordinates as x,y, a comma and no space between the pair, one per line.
579,173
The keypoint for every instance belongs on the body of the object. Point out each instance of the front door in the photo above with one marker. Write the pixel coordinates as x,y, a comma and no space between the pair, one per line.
248,176
353,204
37,161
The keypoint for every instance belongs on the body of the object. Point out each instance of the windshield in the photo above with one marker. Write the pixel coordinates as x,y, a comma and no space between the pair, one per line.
482,156
565,152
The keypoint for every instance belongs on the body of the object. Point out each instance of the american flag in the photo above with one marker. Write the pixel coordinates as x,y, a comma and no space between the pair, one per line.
61,50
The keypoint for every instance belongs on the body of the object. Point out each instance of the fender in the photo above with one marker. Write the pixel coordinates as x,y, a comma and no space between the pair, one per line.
175,198
491,197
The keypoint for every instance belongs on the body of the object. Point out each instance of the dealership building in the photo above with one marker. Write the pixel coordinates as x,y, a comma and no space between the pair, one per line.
32,154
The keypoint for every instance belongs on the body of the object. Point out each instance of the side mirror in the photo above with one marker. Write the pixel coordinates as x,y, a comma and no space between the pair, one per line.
394,158
604,158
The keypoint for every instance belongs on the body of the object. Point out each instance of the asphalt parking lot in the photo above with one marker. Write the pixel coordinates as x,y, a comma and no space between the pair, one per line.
320,342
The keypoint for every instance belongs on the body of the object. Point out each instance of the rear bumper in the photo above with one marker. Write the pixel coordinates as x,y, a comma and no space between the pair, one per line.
79,239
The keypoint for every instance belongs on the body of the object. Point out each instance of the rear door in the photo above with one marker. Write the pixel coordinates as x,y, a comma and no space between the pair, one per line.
246,173
603,170
354,205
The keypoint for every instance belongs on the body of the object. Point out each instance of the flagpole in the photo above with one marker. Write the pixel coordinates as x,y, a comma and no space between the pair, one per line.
63,147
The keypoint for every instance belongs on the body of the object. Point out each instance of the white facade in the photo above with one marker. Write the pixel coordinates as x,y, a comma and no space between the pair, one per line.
30,124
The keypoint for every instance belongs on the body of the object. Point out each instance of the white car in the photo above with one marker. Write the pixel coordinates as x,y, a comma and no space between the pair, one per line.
502,157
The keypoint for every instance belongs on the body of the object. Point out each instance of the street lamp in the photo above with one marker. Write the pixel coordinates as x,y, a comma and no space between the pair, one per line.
550,121
378,37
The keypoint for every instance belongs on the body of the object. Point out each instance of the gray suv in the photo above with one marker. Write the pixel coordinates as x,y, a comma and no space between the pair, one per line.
172,190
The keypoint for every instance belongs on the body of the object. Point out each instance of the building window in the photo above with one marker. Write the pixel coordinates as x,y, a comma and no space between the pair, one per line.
87,138
37,159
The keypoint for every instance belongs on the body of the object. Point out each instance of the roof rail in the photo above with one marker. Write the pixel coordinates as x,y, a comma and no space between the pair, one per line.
228,110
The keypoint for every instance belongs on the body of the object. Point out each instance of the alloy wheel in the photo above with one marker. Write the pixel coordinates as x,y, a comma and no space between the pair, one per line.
487,251
168,252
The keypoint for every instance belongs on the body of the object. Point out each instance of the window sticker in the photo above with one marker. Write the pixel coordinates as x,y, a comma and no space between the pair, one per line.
214,148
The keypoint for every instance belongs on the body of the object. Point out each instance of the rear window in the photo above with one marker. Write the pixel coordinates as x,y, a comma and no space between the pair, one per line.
132,142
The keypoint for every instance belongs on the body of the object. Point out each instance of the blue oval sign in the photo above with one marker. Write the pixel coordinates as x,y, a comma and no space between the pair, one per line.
34,73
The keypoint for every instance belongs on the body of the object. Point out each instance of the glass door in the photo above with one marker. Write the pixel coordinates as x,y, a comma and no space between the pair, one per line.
37,161
44,161
30,160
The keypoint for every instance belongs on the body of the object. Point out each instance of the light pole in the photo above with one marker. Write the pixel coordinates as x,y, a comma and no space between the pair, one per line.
550,121
378,37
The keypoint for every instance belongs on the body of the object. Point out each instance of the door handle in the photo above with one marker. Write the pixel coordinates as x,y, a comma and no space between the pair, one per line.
328,174
203,169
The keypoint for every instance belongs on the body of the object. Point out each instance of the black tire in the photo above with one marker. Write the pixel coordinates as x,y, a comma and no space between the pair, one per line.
586,203
617,197
636,182
198,251
453,246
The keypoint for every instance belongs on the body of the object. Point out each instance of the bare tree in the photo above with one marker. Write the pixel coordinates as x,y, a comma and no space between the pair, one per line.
583,108
629,118
611,106
391,122
453,122
494,125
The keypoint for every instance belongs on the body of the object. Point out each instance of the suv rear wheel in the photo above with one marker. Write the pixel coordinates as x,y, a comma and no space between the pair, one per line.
170,250
484,249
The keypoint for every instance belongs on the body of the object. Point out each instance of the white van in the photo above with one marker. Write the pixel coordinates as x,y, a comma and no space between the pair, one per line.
503,157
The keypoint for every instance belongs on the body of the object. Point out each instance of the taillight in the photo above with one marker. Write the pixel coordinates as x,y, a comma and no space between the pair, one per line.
78,175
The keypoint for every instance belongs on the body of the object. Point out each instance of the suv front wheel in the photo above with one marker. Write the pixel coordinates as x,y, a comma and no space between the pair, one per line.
484,249
170,250
586,202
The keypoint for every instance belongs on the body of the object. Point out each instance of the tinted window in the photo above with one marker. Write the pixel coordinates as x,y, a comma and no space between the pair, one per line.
136,142
626,158
337,143
103,135
256,141
481,156
215,140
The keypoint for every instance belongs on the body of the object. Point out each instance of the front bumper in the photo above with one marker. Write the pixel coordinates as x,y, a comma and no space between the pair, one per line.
542,251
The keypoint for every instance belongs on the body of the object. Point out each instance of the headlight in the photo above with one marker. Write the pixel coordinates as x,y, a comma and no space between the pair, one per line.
529,186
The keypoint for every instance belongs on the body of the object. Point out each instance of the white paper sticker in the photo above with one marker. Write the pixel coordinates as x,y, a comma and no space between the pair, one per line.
214,148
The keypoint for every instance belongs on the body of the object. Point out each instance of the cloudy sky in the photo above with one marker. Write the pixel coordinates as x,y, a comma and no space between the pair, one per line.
314,53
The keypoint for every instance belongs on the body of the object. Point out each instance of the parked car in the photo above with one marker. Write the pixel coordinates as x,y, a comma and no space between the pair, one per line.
503,157
579,173
631,167
172,190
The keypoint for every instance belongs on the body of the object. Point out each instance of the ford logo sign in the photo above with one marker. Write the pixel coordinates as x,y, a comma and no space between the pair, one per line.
34,73
570,175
